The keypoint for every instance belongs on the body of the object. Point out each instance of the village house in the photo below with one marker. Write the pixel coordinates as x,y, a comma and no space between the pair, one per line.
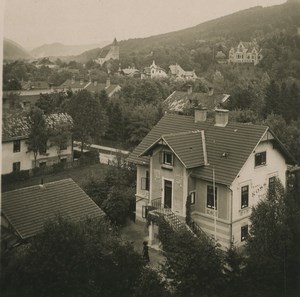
184,102
154,71
245,52
224,167
25,211
73,85
96,87
107,54
24,99
15,155
177,73
130,72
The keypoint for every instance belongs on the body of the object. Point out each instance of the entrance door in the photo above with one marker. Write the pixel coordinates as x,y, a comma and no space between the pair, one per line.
168,193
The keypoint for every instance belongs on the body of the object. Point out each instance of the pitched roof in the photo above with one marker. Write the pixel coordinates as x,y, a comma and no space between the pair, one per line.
228,147
28,209
35,85
72,84
97,88
187,146
103,53
178,100
16,127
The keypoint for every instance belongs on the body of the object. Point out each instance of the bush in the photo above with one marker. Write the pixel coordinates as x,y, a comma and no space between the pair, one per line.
15,177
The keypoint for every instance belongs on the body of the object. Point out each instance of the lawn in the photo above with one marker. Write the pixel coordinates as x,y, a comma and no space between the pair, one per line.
78,174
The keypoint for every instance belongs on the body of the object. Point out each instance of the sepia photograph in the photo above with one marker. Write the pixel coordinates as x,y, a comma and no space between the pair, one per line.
150,148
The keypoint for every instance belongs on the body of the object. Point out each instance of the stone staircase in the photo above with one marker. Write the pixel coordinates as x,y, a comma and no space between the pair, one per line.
158,208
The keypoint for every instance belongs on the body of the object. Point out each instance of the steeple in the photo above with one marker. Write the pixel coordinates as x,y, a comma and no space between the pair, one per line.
115,42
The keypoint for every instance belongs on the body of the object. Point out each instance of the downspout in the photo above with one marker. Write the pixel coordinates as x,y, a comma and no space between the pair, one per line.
231,215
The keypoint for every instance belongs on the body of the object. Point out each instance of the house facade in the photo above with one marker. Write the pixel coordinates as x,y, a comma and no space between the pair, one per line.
15,155
245,52
225,168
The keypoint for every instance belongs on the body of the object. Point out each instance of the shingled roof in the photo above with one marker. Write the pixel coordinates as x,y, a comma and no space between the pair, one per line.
228,148
28,209
191,156
98,87
179,100
18,127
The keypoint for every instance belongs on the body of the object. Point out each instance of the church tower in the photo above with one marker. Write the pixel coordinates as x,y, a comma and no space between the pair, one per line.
115,50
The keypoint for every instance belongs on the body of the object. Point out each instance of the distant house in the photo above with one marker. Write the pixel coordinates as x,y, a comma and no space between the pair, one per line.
46,62
112,53
221,58
245,52
73,85
130,72
34,85
154,71
95,87
180,102
225,168
15,155
25,211
25,99
176,72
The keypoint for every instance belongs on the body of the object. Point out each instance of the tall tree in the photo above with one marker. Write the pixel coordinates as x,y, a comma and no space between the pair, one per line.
89,119
38,136
271,246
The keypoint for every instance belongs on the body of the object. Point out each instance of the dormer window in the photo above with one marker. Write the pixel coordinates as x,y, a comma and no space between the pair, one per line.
260,159
167,158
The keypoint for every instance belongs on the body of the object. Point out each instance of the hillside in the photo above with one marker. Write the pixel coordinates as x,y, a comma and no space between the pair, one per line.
60,50
14,51
251,23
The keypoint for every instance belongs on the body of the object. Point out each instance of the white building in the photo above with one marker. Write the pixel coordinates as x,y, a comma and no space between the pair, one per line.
15,155
245,52
154,71
224,167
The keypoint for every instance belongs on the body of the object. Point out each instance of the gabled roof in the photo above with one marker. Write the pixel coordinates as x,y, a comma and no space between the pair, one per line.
72,84
97,88
228,148
103,53
35,85
28,209
187,146
178,100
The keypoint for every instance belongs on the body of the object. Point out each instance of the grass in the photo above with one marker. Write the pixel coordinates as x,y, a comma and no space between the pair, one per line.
78,174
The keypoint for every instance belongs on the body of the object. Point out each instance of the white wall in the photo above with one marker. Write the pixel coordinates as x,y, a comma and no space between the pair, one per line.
258,180
27,159
9,157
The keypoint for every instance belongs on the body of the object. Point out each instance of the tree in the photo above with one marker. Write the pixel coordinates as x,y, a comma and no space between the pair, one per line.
72,259
59,131
192,265
89,119
271,246
37,138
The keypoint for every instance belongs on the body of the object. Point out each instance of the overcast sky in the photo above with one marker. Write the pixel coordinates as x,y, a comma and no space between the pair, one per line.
35,22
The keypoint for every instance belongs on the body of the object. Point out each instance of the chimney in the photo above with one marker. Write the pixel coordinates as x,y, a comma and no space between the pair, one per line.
200,114
210,91
221,117
189,89
107,83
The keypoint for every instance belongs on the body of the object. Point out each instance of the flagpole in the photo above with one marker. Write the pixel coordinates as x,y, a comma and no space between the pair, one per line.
215,209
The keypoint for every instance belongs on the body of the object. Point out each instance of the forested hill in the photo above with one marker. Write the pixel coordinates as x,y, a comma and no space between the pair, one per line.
247,24
14,51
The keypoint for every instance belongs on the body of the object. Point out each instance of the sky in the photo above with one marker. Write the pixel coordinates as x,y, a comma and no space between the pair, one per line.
32,23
